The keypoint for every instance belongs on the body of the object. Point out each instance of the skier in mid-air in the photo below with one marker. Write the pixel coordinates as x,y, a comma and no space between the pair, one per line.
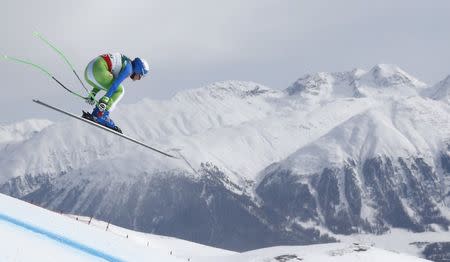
107,72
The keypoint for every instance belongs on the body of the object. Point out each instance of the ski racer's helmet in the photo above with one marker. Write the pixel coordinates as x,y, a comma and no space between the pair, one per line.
140,66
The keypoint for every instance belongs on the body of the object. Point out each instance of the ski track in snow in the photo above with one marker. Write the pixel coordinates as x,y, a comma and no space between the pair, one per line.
61,239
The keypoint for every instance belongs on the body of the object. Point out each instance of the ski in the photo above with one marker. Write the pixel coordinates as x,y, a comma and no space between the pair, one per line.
104,128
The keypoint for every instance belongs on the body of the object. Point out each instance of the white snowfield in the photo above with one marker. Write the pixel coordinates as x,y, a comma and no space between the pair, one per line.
337,252
30,233
23,130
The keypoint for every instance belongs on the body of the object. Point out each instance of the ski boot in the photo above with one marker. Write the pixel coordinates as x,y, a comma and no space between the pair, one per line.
101,118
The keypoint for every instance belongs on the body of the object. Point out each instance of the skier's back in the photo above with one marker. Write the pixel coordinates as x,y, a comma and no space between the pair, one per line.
107,72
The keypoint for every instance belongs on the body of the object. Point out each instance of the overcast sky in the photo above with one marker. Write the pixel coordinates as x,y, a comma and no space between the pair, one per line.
190,44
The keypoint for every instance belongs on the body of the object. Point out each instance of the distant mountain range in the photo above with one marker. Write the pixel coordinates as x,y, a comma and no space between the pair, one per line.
334,153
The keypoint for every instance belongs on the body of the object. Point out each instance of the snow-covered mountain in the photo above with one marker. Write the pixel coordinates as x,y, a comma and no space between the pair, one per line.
21,131
349,152
440,91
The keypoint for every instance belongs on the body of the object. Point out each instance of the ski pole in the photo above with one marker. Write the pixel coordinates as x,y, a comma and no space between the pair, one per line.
42,69
37,34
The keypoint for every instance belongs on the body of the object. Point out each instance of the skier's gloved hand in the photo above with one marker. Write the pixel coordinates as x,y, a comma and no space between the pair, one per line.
103,103
90,100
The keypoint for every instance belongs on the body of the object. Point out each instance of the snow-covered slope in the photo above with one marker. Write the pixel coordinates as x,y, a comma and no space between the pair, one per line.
385,80
388,80
399,240
30,233
440,91
275,158
319,253
402,128
23,130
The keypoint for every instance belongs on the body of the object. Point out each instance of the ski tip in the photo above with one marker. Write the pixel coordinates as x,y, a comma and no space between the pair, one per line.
36,33
4,56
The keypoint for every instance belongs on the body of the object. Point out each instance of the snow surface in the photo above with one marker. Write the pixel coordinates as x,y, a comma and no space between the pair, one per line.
30,233
440,91
400,128
22,130
341,252
178,247
396,239
399,240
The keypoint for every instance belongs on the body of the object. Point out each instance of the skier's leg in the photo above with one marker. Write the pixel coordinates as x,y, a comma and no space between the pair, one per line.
97,75
89,76
103,117
115,98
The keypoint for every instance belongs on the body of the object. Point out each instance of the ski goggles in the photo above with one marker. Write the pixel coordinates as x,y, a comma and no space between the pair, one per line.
134,74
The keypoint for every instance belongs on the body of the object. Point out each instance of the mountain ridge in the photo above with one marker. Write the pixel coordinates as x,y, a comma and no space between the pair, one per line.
277,159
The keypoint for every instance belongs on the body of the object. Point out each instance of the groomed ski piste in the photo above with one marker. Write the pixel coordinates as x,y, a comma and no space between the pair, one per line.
31,233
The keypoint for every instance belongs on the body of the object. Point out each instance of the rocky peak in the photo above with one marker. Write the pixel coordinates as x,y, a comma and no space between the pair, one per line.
386,75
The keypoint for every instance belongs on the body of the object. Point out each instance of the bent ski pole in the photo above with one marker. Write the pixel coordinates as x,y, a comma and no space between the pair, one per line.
42,69
38,35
